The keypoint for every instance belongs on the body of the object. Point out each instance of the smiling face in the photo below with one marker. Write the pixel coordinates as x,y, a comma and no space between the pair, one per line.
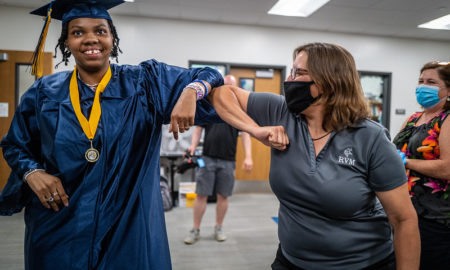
90,41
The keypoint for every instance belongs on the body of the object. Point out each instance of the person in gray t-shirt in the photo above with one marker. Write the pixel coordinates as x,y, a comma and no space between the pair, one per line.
340,181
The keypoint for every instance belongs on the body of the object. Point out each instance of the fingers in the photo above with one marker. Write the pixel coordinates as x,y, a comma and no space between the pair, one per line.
183,113
403,157
278,138
63,197
44,201
180,125
244,167
278,146
183,125
51,201
172,129
248,168
247,165
56,197
285,139
49,190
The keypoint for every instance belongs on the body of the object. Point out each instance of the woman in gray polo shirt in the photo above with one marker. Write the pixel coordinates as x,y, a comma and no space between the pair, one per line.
339,179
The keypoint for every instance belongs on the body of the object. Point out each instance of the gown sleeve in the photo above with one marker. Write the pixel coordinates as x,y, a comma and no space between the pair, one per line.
21,149
165,84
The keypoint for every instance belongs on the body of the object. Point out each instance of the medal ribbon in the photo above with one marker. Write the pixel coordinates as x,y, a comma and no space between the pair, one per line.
89,127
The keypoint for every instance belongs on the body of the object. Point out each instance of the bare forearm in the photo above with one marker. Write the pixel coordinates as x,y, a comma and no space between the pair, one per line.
229,108
407,244
403,218
247,144
196,134
433,168
231,104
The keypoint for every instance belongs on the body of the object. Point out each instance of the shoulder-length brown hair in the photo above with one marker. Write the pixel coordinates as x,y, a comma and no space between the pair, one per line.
443,69
333,70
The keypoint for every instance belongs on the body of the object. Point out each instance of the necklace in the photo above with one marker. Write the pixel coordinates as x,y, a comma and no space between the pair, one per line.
93,87
316,139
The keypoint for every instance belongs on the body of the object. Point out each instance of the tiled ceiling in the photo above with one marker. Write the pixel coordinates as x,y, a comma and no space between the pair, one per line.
394,18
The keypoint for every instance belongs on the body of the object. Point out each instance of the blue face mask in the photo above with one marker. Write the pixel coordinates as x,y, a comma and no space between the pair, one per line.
427,96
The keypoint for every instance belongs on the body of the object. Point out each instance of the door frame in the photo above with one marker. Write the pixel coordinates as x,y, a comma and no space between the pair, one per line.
258,149
16,80
229,65
386,106
9,93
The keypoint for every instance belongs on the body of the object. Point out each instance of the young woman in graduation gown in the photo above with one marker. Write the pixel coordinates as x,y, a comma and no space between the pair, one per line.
85,157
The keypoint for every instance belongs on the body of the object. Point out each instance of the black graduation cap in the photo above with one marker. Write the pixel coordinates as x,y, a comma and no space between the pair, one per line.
67,10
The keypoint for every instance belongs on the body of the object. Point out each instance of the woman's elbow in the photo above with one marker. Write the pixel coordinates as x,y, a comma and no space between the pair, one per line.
408,218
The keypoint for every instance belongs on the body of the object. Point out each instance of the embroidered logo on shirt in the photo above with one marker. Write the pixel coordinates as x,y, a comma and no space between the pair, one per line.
347,158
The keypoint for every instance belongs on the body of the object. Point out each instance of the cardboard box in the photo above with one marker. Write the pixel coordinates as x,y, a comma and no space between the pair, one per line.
186,194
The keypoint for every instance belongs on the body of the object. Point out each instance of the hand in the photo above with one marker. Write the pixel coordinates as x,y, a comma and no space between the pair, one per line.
49,189
273,136
183,113
247,165
403,156
190,150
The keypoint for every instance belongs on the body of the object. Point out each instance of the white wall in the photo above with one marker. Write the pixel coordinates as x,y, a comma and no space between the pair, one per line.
176,42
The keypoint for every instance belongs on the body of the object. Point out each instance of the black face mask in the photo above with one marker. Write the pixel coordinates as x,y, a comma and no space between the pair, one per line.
298,95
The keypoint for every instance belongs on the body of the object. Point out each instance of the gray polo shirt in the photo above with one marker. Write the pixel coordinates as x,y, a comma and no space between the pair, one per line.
329,216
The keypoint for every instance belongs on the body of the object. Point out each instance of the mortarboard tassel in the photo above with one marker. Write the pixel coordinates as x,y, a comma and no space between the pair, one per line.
37,65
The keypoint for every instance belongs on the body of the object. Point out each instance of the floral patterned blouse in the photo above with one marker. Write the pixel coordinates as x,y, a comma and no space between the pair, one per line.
430,196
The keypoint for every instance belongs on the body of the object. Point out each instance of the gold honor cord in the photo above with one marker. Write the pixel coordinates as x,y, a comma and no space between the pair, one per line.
89,127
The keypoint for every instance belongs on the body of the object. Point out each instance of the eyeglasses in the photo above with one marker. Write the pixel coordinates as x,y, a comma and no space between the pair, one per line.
295,72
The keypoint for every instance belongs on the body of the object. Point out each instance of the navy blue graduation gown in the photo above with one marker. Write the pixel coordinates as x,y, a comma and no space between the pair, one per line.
115,218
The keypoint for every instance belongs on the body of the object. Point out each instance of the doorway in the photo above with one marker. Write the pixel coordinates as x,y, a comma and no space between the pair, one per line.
15,79
377,90
254,78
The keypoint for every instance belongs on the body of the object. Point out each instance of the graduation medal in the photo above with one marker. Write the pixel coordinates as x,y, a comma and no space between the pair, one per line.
92,154
89,127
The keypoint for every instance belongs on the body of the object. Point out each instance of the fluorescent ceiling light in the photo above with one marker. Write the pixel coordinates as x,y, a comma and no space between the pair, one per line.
442,23
297,8
129,0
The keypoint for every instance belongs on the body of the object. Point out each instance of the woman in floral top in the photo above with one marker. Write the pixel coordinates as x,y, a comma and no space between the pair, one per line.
425,141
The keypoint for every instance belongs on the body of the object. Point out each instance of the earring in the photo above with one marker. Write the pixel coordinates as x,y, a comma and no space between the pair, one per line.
448,98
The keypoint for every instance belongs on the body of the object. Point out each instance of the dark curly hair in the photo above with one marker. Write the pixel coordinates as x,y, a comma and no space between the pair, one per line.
66,53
